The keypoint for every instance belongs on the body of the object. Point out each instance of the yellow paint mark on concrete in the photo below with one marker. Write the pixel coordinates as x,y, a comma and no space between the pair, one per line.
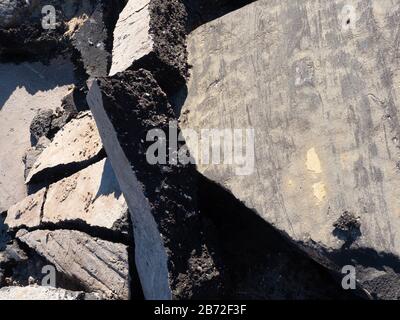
319,191
313,163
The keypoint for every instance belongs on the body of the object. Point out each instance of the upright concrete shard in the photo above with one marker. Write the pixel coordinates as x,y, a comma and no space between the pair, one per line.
173,256
151,34
319,82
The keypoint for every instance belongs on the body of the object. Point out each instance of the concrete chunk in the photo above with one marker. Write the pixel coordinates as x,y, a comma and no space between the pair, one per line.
27,213
151,34
91,195
77,145
132,39
318,84
97,265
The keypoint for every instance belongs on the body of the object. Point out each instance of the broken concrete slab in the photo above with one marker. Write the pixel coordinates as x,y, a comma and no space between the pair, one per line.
174,257
321,92
28,212
151,34
74,147
97,265
39,293
23,90
91,196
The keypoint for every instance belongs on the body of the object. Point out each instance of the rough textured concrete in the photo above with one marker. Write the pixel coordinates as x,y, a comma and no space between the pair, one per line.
91,196
24,89
74,147
28,212
39,293
97,265
173,255
321,89
132,38
151,34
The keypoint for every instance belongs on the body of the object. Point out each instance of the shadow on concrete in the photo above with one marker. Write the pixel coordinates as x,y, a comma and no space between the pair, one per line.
262,262
34,77
203,11
109,184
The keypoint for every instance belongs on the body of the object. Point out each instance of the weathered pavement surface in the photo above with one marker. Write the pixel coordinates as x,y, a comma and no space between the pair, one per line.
321,87
25,89
97,265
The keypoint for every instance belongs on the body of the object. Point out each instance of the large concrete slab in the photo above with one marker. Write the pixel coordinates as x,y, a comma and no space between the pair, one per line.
319,82
24,89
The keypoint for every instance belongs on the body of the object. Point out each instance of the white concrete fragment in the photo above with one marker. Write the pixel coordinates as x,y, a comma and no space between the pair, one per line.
132,39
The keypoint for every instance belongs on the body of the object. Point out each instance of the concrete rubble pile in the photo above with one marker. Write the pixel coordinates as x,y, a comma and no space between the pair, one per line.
105,192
